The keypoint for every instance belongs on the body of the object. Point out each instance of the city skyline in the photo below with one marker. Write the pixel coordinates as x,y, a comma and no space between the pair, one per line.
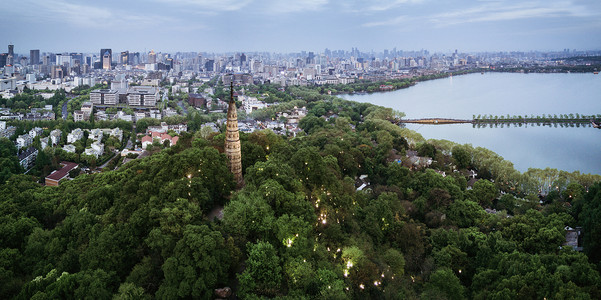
312,25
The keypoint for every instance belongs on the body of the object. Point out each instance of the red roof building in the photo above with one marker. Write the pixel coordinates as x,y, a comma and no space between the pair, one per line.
58,175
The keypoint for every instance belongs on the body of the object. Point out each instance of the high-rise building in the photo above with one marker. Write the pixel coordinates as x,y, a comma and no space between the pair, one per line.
106,57
11,56
232,140
34,57
63,60
3,57
57,72
76,58
152,57
210,65
134,58
124,60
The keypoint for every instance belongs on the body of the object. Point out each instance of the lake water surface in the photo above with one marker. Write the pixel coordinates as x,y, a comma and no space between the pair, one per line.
462,97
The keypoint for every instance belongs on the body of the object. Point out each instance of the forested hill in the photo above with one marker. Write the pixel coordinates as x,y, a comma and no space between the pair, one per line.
300,228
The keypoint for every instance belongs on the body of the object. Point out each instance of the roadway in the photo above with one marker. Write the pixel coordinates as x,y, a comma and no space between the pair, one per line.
65,112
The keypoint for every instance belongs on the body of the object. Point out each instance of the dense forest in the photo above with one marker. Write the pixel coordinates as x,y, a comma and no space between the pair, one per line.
172,225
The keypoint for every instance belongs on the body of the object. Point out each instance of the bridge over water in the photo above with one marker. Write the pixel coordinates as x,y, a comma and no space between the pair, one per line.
435,121
515,121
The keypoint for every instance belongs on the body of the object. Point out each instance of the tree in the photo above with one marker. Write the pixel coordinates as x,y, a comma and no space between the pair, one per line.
591,221
248,218
483,192
395,262
311,123
444,284
262,275
129,291
462,157
426,149
199,263
507,202
465,213
9,164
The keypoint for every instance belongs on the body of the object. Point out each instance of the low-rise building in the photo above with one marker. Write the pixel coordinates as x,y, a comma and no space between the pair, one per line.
104,97
44,142
169,112
160,137
142,96
27,157
35,132
96,149
55,177
96,134
87,108
78,115
123,116
117,132
251,104
69,148
75,135
24,140
197,100
163,128
55,136
8,132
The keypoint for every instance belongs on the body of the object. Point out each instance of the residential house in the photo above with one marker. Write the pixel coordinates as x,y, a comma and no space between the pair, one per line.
75,135
87,108
163,128
117,133
35,132
169,112
96,149
96,134
146,140
78,115
55,136
160,137
8,131
27,157
24,140
69,148
44,142
123,116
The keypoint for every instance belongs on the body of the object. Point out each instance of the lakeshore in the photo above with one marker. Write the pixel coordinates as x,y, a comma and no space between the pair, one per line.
532,145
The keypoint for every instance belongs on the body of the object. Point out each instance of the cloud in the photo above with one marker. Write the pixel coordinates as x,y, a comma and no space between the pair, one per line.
211,5
390,22
497,11
494,10
382,5
84,16
292,6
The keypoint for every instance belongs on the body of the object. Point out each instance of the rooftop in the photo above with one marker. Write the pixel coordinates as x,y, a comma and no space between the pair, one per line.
62,172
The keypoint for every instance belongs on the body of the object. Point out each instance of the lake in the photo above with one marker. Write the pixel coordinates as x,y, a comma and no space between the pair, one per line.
462,97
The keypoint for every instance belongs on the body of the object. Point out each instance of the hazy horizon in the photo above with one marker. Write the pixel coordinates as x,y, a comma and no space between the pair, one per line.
276,26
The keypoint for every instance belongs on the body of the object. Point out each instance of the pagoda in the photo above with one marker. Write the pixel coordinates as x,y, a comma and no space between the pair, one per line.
232,140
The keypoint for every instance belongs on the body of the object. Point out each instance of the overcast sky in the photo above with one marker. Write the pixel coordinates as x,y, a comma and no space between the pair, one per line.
296,25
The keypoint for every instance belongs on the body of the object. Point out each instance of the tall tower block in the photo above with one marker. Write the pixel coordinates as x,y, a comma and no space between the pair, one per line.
232,140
